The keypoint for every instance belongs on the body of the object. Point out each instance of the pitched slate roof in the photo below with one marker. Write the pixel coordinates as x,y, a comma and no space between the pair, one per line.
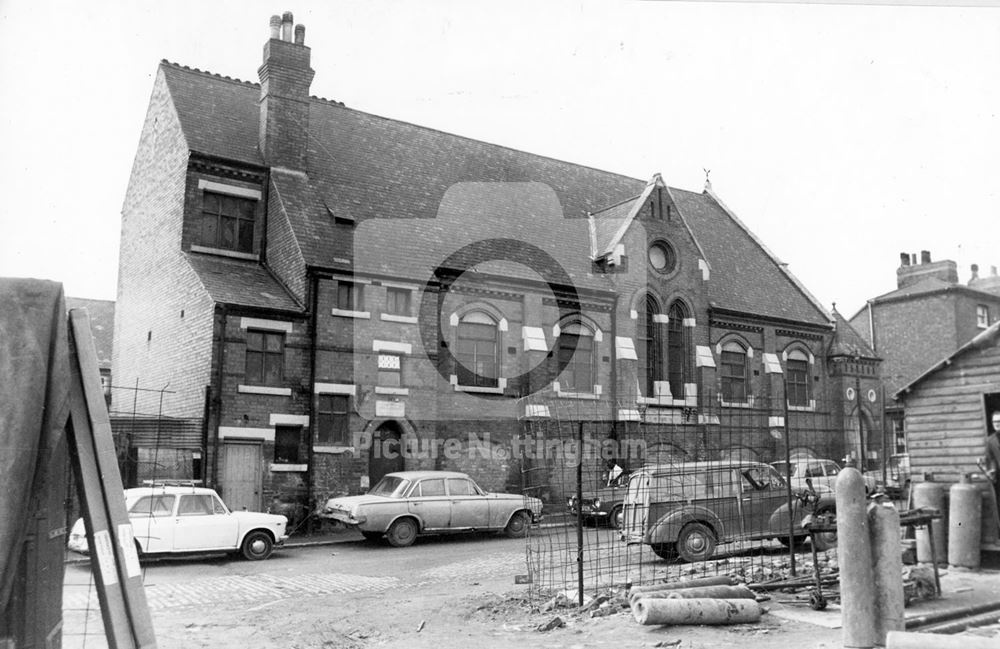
745,276
234,281
847,341
102,325
363,167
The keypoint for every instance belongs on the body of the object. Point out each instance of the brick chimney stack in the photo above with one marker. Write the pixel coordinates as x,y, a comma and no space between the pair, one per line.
910,272
285,77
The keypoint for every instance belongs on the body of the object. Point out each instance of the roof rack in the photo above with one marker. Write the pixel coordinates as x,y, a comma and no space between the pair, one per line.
172,483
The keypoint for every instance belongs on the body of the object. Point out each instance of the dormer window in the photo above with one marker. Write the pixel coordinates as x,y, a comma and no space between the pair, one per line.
227,222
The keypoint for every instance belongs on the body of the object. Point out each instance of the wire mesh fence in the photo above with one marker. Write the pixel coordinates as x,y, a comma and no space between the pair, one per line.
662,492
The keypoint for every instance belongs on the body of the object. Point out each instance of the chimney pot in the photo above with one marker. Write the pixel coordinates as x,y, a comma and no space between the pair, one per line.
904,259
993,271
275,27
286,26
913,259
300,34
925,256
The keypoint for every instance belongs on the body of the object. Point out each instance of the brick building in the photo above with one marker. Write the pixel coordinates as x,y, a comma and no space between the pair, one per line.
929,316
102,326
317,283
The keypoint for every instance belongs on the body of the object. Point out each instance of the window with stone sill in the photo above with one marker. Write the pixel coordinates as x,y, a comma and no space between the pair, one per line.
265,358
733,373
389,371
575,353
397,301
649,337
797,379
333,420
227,222
287,444
477,350
350,296
982,316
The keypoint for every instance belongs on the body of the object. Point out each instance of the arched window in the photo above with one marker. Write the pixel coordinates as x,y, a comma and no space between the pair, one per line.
797,378
477,350
650,350
733,371
575,354
678,356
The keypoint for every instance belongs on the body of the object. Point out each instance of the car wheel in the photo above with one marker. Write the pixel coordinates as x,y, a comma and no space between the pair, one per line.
257,545
696,542
617,518
666,551
825,540
402,533
372,537
517,526
797,541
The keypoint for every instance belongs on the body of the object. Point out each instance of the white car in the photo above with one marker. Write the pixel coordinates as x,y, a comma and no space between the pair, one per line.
821,473
169,519
407,503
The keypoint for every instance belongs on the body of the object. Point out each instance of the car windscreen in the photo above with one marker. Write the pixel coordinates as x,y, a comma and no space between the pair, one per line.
391,486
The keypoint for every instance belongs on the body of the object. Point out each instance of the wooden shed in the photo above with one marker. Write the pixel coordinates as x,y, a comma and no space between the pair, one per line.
947,409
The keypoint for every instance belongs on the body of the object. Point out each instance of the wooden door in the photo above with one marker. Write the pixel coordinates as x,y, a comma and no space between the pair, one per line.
241,475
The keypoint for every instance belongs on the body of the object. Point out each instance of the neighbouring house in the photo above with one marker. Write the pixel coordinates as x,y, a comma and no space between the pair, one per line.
929,316
102,325
322,286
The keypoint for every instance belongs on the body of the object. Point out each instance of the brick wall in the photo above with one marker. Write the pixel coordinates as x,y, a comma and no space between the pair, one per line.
163,317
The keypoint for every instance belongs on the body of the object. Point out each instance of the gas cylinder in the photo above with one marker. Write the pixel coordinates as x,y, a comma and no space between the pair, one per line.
887,567
964,523
990,518
932,494
854,557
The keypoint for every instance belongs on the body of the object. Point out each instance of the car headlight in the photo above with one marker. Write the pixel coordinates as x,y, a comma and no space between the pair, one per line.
597,503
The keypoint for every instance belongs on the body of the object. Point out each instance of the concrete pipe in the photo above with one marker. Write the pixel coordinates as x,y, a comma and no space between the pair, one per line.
690,583
854,554
695,611
887,568
702,592
907,640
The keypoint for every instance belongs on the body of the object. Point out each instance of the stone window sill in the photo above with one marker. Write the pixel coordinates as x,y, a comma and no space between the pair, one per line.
264,389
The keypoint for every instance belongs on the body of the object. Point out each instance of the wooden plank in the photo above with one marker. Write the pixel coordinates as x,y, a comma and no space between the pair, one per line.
109,589
119,528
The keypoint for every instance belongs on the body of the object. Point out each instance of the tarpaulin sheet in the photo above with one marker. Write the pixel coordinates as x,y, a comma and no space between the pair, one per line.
34,404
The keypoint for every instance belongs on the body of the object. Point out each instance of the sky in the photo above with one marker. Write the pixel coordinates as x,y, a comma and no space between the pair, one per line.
841,135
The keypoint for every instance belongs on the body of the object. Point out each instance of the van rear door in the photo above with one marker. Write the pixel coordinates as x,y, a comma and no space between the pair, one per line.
635,507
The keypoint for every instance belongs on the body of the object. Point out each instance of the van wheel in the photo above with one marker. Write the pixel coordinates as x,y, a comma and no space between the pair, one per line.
617,518
798,541
666,551
696,542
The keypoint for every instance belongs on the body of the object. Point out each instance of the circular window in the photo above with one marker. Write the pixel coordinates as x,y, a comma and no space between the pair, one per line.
661,257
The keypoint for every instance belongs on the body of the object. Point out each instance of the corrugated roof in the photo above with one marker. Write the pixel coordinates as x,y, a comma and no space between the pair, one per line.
102,325
363,167
237,282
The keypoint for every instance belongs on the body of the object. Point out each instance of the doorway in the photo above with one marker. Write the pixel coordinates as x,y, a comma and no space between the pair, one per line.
385,454
241,475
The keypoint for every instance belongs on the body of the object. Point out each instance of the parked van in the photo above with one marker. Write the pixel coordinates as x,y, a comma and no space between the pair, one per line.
688,508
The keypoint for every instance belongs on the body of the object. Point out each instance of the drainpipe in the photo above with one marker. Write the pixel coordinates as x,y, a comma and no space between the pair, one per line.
220,374
313,326
614,365
871,325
